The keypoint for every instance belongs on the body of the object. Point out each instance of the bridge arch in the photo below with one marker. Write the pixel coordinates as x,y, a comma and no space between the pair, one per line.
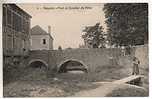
37,62
64,64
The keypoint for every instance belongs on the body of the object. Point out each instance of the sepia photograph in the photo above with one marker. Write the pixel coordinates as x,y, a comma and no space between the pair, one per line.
75,49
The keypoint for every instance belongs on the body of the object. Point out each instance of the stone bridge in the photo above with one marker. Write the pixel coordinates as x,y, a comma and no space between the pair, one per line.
89,58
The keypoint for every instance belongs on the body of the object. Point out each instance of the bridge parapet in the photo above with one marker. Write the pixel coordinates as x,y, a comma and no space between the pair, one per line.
92,58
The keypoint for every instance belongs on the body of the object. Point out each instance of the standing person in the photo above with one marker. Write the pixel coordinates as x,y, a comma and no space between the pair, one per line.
136,63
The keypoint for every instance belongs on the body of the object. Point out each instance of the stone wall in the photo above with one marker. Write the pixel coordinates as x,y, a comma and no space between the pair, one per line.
141,52
92,58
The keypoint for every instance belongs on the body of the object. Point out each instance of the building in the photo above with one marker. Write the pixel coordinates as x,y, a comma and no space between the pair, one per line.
40,39
15,28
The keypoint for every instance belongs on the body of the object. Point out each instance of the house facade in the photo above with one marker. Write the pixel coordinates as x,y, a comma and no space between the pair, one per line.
40,39
16,36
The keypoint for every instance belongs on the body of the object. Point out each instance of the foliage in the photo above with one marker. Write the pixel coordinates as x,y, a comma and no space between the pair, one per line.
94,36
127,23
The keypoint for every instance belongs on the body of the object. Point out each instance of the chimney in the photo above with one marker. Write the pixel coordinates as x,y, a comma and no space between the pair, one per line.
49,29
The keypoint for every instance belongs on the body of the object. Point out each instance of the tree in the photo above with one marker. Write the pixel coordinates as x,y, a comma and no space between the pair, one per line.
94,36
127,23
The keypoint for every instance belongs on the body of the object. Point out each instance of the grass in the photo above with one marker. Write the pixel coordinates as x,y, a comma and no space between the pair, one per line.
34,82
127,91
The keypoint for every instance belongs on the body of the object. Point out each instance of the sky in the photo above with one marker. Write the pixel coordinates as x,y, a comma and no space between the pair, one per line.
66,20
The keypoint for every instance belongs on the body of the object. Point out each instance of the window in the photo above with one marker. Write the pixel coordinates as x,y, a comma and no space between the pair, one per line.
4,16
44,41
9,15
31,41
23,45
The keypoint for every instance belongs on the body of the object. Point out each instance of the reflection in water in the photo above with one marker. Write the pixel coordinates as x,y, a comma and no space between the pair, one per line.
72,66
75,72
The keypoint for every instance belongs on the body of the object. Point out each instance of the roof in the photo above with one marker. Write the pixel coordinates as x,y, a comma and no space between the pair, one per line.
37,30
23,11
18,8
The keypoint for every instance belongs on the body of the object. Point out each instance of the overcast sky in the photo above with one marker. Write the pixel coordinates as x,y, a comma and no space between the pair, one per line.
66,20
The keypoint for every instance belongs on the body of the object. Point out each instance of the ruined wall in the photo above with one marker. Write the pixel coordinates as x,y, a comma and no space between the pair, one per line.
141,52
